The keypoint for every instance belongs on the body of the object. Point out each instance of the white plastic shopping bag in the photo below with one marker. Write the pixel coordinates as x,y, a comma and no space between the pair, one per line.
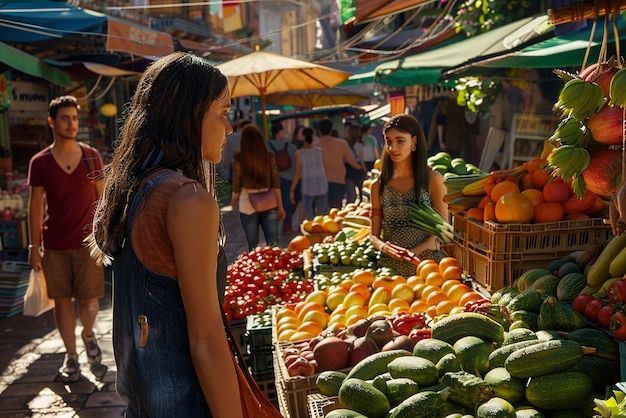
36,300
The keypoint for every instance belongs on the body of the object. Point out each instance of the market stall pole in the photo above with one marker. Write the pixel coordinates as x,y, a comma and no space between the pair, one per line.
261,73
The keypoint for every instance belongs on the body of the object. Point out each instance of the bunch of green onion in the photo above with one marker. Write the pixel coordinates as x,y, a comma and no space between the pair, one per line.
426,218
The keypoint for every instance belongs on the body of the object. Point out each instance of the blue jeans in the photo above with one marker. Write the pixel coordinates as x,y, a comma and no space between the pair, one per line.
335,195
285,187
314,205
267,220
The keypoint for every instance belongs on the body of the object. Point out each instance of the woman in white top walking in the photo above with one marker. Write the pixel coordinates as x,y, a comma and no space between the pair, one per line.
309,171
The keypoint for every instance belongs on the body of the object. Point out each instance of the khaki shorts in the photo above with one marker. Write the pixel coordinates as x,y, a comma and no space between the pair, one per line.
72,273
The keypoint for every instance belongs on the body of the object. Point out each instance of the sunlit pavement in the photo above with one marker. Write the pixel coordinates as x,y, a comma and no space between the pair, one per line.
31,353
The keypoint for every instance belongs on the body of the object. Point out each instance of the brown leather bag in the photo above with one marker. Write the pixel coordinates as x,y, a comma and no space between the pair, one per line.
254,402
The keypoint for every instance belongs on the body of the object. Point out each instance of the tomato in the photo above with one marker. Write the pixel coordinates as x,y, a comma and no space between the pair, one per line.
592,309
617,291
580,302
604,315
618,325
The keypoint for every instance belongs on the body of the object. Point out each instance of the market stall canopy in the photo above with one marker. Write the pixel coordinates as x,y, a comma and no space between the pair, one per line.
31,22
29,64
322,112
313,98
561,51
426,67
261,73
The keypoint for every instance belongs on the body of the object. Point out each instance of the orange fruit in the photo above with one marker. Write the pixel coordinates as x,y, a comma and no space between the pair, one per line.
346,283
526,182
435,297
418,306
431,311
534,195
427,290
429,268
318,296
398,303
418,288
384,281
445,306
311,327
366,277
403,291
320,317
434,279
361,288
556,191
283,312
422,263
470,296
286,335
452,273
503,188
299,243
449,283
549,212
514,207
535,164
540,178
413,280
301,336
456,292
310,306
354,299
447,262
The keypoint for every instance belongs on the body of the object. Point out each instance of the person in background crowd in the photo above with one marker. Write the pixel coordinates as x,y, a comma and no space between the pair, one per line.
277,144
233,141
354,178
65,182
370,147
159,222
336,150
298,140
311,175
255,170
405,178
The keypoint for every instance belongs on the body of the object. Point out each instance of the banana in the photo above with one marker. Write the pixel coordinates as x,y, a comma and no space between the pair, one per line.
450,196
568,161
457,183
580,99
357,220
477,188
463,203
571,132
617,89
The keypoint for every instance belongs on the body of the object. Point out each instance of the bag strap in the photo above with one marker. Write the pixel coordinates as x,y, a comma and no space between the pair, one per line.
234,347
271,146
285,147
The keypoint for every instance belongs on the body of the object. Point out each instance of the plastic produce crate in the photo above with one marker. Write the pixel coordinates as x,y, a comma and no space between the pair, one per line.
293,391
258,338
548,237
268,387
320,405
238,329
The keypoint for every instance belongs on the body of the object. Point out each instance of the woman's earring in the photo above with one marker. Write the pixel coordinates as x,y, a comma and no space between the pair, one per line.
413,148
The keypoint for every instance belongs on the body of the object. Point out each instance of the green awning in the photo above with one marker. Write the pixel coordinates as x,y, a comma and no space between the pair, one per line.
426,67
29,64
562,51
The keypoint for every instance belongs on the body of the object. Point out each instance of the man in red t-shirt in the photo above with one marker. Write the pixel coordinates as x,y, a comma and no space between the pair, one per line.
67,177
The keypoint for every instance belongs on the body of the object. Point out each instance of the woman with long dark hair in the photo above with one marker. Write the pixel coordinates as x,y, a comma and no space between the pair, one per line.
405,178
158,220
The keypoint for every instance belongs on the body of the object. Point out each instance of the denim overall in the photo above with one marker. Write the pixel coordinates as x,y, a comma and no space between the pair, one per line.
155,374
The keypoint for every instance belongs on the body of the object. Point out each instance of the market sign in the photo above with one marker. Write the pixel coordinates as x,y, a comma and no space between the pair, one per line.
29,97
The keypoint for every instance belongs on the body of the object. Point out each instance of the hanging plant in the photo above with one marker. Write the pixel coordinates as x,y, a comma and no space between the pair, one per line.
476,94
478,16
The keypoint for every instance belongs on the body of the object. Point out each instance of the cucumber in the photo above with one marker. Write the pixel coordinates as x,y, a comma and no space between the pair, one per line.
422,371
496,408
544,358
518,334
605,344
454,327
569,389
375,364
426,404
364,398
498,357
344,413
